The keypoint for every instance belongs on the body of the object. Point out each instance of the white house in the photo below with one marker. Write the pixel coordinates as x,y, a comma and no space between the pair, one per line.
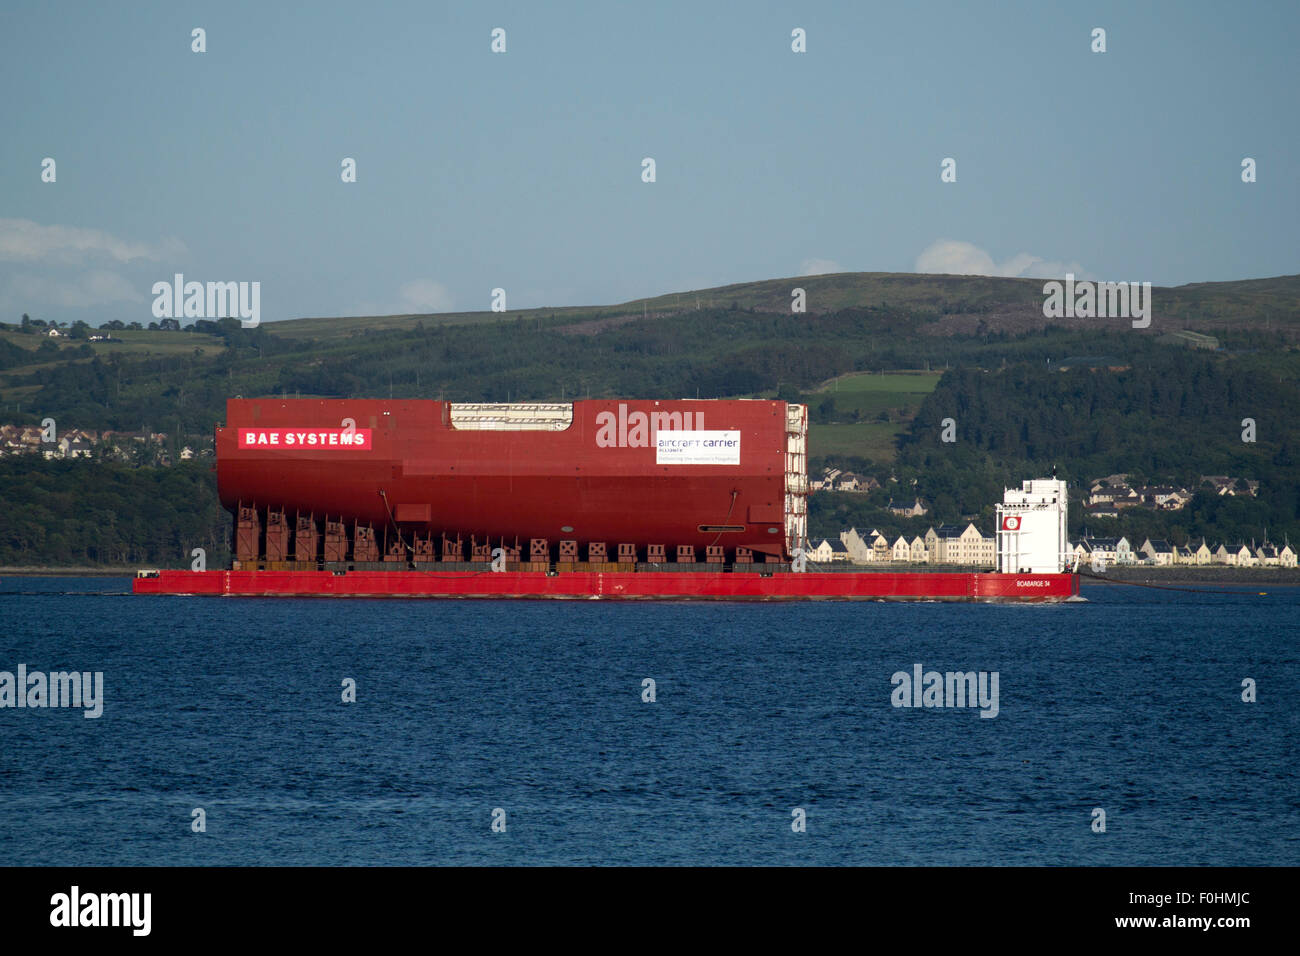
847,482
880,548
936,542
974,548
821,552
73,446
1110,550
949,544
1159,552
1166,497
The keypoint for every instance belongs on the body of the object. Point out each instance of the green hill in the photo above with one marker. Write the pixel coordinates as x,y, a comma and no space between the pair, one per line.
880,360
1209,305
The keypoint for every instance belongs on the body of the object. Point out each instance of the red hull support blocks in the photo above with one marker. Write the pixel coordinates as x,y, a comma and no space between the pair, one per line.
622,585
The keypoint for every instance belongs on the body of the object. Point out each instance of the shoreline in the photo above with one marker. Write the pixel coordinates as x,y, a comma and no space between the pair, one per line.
1202,574
1196,574
68,572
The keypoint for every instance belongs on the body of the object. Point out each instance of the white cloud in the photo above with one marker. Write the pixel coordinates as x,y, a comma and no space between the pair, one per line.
425,295
22,240
69,267
953,257
819,267
32,293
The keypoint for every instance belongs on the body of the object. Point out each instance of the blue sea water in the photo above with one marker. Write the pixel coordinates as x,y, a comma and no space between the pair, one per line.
1131,702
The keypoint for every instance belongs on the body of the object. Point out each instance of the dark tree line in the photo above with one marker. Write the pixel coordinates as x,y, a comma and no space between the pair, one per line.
81,512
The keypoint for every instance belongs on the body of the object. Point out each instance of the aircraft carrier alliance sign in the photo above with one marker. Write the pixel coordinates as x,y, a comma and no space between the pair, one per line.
697,448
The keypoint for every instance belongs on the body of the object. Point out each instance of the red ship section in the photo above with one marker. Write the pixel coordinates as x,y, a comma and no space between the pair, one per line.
621,500
729,475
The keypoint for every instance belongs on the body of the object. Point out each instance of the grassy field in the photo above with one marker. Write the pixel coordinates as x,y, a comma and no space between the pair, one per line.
870,393
133,343
874,440
13,400
897,395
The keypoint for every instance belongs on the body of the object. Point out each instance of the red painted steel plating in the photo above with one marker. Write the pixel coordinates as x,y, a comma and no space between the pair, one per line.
413,471
623,585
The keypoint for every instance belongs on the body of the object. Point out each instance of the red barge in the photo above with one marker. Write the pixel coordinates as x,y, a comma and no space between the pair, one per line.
649,500
730,585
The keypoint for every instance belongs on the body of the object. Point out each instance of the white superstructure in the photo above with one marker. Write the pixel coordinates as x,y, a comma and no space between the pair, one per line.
1031,532
796,476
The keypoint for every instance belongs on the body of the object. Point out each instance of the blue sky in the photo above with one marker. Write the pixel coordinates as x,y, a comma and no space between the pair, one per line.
522,170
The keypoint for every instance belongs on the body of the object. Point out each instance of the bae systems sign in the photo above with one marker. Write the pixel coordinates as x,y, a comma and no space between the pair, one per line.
294,439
